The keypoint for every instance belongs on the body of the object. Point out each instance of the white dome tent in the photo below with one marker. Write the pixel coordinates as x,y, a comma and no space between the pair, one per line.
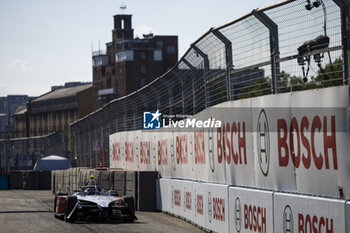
52,162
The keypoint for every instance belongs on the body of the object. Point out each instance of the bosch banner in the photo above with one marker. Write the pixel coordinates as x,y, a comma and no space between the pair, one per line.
200,204
216,197
251,210
296,142
297,213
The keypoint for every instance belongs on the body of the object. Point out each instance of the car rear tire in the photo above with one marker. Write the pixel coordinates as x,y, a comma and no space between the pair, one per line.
71,201
130,202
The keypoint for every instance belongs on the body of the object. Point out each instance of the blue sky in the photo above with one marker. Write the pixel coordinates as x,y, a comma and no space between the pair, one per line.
46,43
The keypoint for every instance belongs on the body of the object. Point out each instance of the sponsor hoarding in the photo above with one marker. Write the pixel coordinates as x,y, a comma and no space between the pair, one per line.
216,197
250,210
200,205
295,142
300,214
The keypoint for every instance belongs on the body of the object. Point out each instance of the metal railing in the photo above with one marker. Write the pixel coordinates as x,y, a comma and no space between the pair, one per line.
99,53
282,48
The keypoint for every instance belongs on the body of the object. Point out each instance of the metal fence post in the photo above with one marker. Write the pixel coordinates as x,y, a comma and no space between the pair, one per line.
229,63
170,94
344,6
182,90
192,83
134,112
155,91
206,69
274,48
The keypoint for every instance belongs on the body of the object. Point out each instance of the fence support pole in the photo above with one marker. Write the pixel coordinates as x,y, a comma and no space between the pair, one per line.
229,63
344,6
206,69
274,48
179,78
187,63
155,91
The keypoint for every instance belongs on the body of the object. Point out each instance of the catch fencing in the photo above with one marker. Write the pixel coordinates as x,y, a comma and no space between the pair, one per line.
291,46
22,153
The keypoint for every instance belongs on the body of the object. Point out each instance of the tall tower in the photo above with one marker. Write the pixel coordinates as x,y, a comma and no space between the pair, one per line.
122,28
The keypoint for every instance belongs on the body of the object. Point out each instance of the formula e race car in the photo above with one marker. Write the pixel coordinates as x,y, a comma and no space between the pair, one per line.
92,203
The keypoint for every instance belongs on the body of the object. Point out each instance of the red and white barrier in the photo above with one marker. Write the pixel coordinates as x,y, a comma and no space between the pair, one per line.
303,214
222,208
295,142
250,210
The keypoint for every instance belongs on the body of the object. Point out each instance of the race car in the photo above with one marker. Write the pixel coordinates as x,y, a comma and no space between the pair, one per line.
92,203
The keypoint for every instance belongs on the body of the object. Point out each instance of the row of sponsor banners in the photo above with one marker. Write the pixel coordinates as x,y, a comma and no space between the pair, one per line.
223,208
294,142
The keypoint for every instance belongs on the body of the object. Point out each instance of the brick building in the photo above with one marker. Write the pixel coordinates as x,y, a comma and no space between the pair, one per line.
54,112
129,63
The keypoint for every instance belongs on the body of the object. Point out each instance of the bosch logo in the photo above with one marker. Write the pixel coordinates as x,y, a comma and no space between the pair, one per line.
210,207
287,220
172,196
172,151
211,149
238,215
263,141
137,150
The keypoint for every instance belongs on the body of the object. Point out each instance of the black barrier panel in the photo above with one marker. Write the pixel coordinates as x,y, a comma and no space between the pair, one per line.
44,180
15,180
147,200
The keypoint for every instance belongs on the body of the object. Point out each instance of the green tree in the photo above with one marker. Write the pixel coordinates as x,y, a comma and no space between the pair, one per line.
261,86
331,74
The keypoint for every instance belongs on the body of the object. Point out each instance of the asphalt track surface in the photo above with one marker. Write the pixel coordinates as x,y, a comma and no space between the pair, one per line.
32,211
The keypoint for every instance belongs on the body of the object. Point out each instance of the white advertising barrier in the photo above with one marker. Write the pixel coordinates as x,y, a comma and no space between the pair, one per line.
217,210
200,204
304,214
117,150
266,112
181,146
154,152
188,206
164,154
165,194
176,201
206,167
250,210
319,148
114,150
234,142
142,151
129,151
298,142
347,216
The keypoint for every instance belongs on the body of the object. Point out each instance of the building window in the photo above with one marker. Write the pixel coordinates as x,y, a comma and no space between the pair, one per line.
143,69
170,49
157,56
159,44
142,55
142,82
103,71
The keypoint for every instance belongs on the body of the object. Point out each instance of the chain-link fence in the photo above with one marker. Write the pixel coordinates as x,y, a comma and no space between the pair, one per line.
22,153
291,46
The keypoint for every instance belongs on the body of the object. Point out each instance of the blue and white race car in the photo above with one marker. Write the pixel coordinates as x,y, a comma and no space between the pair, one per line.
92,203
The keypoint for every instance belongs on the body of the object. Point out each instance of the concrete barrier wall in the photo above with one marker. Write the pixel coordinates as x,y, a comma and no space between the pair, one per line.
140,185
